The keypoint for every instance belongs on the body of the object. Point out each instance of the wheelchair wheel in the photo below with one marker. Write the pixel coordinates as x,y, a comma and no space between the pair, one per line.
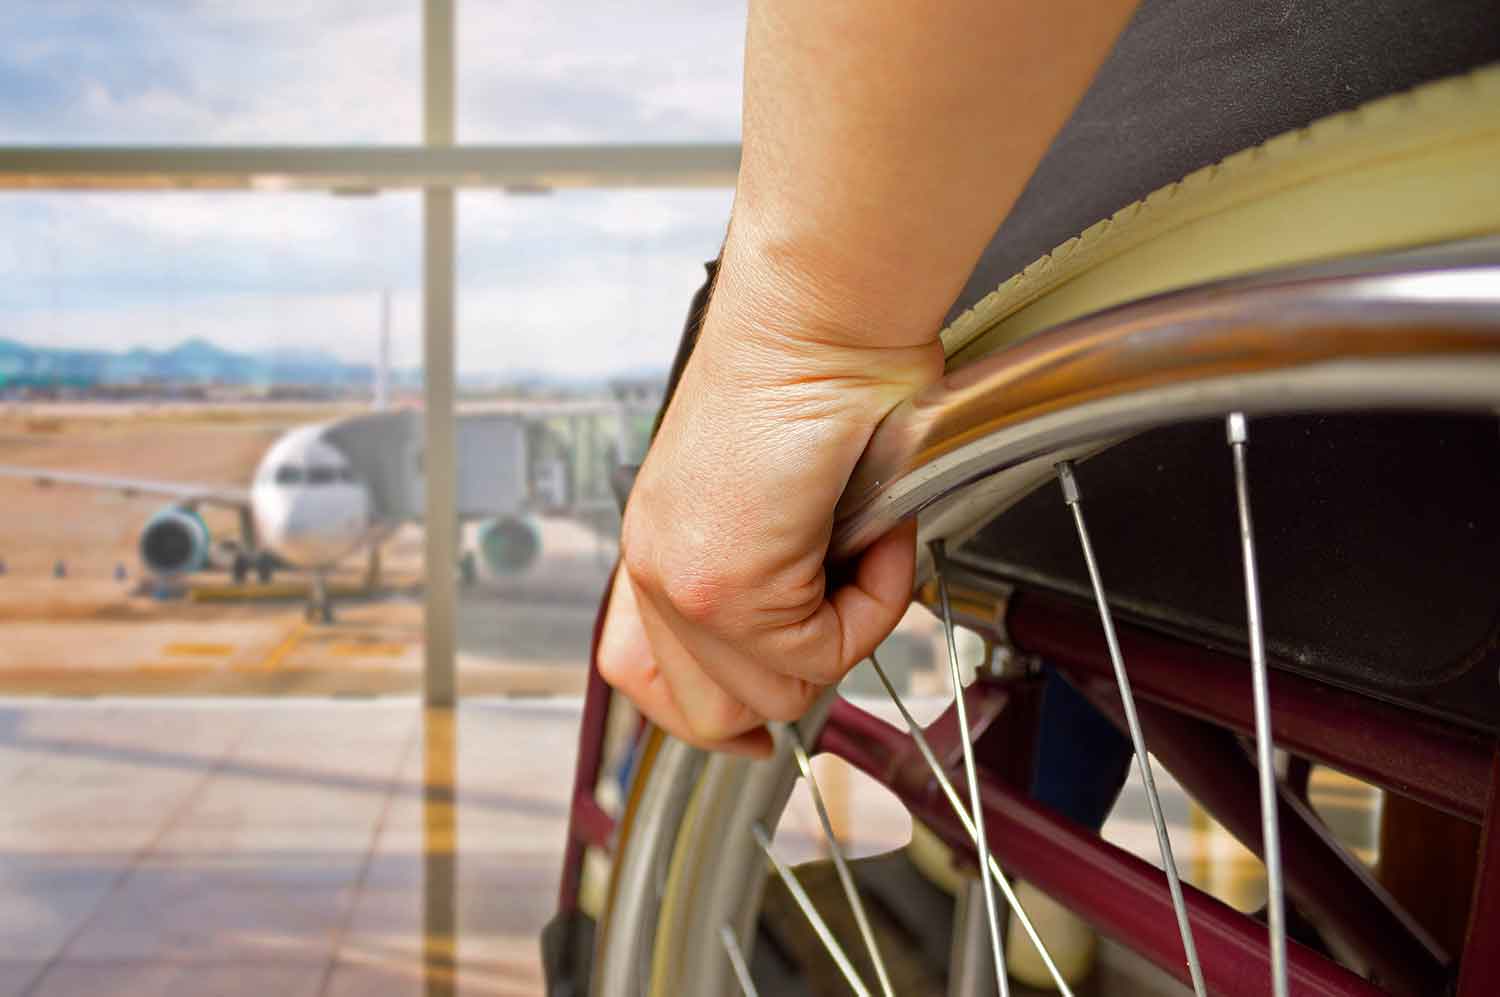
1229,461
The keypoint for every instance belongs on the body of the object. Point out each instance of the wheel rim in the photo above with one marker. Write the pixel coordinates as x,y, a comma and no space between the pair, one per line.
1409,331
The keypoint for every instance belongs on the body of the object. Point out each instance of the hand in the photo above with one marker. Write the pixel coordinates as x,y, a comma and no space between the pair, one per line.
722,617
877,163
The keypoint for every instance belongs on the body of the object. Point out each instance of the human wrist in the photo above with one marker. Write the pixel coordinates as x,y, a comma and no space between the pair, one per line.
810,289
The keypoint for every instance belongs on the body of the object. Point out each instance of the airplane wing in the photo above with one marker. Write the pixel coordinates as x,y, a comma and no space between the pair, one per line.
225,495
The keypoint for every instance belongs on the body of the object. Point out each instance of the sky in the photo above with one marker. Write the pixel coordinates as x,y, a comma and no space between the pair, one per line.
575,283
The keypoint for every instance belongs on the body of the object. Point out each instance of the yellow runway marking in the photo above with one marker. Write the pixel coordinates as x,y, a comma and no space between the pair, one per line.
198,650
287,646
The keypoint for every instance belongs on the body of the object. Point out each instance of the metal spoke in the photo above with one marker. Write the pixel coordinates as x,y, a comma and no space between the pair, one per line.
1239,438
794,887
737,960
940,562
969,969
836,850
1074,500
956,803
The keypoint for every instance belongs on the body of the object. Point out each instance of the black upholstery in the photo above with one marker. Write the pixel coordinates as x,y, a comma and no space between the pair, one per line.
1378,538
1193,81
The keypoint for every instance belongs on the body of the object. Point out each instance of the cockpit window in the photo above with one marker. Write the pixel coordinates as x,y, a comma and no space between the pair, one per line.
289,474
322,475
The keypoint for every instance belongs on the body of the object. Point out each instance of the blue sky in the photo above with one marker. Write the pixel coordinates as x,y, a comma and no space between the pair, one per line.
585,282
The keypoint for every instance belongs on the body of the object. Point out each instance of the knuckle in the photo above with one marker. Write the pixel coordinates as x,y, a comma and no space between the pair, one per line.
809,652
794,700
820,671
636,556
612,667
700,586
703,734
719,721
701,597
693,592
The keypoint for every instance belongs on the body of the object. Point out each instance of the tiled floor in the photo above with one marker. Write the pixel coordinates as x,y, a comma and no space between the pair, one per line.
295,847
278,847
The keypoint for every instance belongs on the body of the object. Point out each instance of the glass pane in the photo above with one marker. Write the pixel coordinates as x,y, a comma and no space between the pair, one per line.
570,308
212,72
592,71
175,374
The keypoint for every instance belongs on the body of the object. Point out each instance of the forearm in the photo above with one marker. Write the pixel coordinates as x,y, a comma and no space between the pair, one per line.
884,141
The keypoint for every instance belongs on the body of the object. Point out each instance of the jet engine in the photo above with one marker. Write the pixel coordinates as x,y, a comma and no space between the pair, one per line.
507,546
175,541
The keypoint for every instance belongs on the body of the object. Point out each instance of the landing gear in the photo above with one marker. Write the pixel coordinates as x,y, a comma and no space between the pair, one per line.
239,569
468,569
319,605
265,568
372,571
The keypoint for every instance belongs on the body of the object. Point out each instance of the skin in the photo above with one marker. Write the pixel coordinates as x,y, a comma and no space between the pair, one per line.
884,142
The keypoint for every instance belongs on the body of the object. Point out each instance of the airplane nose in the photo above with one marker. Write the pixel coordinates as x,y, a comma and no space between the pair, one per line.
317,530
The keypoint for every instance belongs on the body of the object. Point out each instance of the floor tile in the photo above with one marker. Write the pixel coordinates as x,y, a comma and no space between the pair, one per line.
494,908
303,795
264,855
409,978
481,851
16,977
213,917
34,923
154,979
234,850
64,796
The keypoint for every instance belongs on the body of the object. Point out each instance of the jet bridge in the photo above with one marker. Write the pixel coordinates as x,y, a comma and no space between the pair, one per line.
494,462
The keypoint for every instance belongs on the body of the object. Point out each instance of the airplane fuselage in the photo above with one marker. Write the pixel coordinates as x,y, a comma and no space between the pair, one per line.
308,506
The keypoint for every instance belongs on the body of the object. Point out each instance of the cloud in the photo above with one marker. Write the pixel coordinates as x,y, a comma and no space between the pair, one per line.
627,316
339,71
572,283
576,281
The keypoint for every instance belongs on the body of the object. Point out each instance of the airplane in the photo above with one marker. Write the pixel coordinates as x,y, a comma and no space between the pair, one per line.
325,491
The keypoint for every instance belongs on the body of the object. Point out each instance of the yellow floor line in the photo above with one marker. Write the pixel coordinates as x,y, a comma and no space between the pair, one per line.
280,651
198,650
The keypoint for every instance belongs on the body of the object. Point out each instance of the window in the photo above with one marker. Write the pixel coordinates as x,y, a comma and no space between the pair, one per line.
289,474
593,71
212,73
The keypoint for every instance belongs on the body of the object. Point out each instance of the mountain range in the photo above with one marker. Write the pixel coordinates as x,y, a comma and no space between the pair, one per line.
198,362
192,362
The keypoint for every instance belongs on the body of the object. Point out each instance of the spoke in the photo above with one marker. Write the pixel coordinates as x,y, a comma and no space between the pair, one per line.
1074,500
940,563
956,803
794,887
737,960
839,863
969,969
1239,438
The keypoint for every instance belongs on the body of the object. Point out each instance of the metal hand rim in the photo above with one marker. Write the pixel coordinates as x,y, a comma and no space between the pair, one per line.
1311,338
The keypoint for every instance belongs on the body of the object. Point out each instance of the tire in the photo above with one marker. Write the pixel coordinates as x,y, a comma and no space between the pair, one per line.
1407,171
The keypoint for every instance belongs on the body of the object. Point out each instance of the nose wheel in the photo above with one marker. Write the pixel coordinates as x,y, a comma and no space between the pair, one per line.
319,605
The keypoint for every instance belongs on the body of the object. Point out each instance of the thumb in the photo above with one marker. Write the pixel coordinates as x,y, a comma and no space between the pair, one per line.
870,606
